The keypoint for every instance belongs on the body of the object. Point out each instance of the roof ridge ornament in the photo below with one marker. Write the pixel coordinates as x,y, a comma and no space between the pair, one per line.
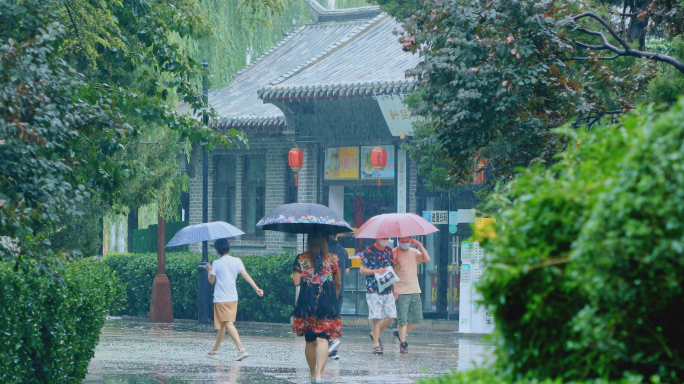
322,15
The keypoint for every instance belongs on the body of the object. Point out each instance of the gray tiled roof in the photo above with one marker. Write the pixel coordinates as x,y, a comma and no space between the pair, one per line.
369,62
335,31
238,104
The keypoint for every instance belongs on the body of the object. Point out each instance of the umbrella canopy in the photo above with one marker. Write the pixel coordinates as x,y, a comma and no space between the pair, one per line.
394,225
204,232
304,218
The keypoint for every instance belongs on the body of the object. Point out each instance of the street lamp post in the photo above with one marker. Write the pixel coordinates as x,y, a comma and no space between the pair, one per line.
161,310
203,291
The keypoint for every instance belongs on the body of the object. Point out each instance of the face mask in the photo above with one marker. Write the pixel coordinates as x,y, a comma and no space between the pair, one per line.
404,246
383,243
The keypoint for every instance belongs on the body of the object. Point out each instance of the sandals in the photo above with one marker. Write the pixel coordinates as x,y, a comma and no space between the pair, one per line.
379,340
212,353
377,350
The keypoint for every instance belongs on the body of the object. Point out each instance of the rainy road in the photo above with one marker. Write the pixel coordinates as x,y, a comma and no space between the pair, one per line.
137,352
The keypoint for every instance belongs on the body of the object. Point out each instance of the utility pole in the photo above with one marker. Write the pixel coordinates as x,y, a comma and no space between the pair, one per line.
161,310
203,289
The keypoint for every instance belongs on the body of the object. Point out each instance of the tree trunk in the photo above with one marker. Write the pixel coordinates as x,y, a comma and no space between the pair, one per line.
637,27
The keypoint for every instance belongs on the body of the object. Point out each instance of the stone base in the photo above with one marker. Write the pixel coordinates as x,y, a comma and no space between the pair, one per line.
161,310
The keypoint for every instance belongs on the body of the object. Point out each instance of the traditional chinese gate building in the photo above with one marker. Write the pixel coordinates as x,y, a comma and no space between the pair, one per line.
332,89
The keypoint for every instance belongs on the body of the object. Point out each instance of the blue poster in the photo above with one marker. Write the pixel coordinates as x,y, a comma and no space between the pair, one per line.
367,170
453,217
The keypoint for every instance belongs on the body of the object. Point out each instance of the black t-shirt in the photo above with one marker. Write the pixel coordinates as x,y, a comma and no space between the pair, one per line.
336,248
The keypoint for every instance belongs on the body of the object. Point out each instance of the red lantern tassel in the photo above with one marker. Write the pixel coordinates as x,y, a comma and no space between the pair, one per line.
378,181
296,184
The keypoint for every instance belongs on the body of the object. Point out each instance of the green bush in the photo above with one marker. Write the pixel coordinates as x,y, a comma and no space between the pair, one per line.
270,272
138,272
489,376
585,276
48,331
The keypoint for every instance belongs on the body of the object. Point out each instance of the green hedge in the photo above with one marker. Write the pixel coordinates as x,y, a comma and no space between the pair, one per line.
489,376
586,273
270,272
48,331
138,272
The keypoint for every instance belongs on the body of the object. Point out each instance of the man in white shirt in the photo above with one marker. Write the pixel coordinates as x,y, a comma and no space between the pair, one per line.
224,272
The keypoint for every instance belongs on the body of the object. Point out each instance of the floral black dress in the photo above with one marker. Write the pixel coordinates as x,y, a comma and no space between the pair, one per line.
316,310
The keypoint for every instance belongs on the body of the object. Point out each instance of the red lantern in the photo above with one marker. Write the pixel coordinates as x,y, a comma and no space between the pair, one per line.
379,159
296,160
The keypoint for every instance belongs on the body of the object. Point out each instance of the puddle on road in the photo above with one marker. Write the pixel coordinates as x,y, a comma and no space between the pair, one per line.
138,352
229,374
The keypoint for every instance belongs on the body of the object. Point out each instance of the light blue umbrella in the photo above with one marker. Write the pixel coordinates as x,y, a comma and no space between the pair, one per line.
204,232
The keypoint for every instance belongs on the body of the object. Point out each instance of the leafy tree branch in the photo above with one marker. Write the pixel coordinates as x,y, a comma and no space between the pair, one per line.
626,50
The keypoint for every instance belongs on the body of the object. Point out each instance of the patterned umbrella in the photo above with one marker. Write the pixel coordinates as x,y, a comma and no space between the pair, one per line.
394,225
204,232
304,218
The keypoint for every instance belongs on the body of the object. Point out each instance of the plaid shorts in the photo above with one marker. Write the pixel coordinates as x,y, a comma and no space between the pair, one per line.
381,306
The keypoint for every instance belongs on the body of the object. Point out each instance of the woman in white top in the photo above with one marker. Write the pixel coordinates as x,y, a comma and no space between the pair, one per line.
224,272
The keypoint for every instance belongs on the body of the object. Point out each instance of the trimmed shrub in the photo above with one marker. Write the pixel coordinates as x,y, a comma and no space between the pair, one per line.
586,275
138,272
489,376
48,331
270,272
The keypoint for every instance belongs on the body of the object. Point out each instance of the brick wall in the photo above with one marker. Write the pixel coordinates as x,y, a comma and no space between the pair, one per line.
276,170
275,149
308,181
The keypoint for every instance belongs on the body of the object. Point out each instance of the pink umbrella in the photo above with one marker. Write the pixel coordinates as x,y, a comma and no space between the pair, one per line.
394,225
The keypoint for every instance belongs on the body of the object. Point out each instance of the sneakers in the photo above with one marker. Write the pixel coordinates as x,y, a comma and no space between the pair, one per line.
335,355
333,345
403,347
241,355
396,333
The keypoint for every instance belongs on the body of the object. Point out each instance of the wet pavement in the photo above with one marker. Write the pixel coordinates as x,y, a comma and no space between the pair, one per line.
137,352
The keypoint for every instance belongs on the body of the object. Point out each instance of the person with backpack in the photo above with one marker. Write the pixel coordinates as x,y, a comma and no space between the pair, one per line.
316,315
224,272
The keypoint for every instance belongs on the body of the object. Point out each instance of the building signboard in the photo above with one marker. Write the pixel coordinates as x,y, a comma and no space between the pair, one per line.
439,217
466,216
453,217
341,163
397,115
484,228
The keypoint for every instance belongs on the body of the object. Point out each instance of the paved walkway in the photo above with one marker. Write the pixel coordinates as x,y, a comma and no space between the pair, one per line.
137,352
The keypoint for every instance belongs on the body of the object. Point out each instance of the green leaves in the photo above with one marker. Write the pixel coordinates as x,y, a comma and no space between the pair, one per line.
498,76
50,157
586,269
83,83
270,272
48,331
